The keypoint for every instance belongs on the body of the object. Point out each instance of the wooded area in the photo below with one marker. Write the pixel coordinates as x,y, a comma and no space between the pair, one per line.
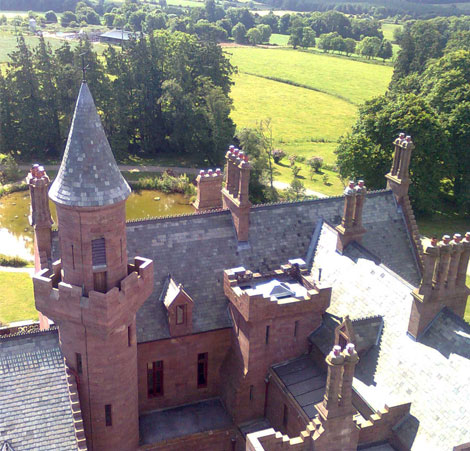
167,92
429,98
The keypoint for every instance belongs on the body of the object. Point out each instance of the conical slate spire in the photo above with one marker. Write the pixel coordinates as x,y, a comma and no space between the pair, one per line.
88,175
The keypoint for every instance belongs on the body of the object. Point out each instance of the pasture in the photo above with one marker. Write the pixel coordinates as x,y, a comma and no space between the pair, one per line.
311,98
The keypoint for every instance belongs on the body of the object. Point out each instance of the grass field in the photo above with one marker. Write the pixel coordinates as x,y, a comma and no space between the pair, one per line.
279,39
354,81
16,297
389,28
311,100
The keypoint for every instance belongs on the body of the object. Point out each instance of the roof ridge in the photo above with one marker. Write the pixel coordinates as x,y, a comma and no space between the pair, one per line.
24,332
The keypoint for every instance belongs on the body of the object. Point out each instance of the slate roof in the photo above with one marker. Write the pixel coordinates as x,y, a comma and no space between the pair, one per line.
88,175
196,249
432,374
305,381
35,411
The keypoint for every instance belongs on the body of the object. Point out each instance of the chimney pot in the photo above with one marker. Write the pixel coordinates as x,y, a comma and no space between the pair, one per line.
446,239
210,171
236,152
457,237
201,172
217,171
336,350
408,138
350,348
231,148
433,241
401,135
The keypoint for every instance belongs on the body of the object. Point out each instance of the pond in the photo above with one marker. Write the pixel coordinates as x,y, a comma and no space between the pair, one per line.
16,235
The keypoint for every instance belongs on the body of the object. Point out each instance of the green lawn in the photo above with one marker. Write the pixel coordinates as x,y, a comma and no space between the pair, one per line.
279,39
439,225
354,81
16,297
389,28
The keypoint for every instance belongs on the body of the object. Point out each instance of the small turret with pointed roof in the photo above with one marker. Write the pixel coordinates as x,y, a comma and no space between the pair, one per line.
88,175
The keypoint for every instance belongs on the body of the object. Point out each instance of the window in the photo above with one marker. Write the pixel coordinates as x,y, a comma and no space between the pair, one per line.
180,314
155,378
129,336
296,327
108,415
202,370
78,363
267,334
285,416
251,392
98,252
73,258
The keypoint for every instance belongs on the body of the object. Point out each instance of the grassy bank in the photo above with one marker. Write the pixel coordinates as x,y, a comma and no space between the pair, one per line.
16,297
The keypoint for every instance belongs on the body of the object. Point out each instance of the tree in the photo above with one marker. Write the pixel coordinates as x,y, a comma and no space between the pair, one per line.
265,31
349,46
239,33
385,50
67,17
369,47
254,36
308,38
295,38
51,16
209,10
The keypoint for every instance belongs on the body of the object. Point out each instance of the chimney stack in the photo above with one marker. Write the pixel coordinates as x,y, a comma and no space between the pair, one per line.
443,282
209,190
40,217
41,220
398,179
338,431
351,228
235,194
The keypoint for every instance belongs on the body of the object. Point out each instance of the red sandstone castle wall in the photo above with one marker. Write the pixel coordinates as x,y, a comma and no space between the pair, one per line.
205,441
277,399
179,357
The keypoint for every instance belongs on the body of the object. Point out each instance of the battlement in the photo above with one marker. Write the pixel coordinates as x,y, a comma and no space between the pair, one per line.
284,291
61,301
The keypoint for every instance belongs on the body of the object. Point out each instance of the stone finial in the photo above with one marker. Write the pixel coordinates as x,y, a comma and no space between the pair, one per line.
335,357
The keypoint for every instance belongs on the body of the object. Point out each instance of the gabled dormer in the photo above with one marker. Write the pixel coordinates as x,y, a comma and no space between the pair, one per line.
179,306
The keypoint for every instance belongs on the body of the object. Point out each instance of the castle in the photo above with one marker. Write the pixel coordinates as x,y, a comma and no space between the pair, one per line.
315,325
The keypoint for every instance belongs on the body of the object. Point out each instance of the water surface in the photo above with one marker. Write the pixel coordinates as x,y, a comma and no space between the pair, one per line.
16,235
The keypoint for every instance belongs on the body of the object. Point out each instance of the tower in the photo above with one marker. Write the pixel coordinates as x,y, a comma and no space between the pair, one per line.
92,293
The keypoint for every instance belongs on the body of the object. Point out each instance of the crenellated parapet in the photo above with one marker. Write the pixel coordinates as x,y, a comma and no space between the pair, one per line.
61,301
285,290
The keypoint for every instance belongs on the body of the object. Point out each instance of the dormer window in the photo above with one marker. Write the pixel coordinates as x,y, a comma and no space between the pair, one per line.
180,314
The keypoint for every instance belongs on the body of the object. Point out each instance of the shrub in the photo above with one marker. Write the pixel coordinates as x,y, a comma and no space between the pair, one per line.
295,171
326,179
315,163
278,155
9,171
167,183
292,159
51,16
14,262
